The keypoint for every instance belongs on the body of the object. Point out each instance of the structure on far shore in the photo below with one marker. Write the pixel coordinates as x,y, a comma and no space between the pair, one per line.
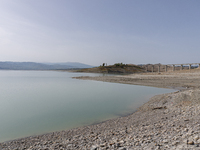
120,68
169,67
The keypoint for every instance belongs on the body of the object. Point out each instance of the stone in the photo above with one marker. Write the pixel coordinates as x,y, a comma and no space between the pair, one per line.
175,142
196,138
190,142
94,147
122,148
165,141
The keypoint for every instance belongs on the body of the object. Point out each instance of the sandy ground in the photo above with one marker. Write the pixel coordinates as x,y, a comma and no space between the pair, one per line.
185,79
167,121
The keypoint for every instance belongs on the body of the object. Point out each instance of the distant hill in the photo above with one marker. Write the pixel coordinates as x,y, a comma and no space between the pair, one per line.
41,66
72,64
116,68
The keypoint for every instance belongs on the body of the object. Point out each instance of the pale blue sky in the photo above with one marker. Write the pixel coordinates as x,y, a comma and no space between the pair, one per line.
97,31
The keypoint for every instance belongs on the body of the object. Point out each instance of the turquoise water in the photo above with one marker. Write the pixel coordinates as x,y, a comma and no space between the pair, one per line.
37,102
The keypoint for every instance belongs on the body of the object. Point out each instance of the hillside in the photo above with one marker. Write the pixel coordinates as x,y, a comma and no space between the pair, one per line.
72,65
40,66
116,68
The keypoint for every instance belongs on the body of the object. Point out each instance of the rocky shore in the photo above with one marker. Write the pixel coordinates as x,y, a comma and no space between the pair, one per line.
167,121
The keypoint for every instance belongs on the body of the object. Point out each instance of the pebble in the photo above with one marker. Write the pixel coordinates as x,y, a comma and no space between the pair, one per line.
190,142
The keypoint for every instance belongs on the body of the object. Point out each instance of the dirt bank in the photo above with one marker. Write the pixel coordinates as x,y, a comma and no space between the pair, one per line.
186,79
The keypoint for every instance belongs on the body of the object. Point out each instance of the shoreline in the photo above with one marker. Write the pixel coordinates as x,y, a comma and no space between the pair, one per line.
166,121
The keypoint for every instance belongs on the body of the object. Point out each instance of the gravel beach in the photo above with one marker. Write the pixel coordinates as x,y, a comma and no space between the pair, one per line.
167,121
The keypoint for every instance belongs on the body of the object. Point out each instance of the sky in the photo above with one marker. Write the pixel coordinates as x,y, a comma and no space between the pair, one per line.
100,31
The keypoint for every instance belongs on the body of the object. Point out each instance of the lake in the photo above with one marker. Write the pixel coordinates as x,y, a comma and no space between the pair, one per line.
37,102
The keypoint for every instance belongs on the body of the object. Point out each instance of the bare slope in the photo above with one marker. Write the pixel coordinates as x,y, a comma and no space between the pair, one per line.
116,68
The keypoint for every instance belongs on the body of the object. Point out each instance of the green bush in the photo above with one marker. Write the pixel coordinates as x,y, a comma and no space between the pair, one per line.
119,64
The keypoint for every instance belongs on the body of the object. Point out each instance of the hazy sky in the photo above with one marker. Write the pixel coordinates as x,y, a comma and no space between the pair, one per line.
97,31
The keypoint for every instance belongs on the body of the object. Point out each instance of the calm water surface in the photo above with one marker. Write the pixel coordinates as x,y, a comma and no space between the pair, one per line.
37,102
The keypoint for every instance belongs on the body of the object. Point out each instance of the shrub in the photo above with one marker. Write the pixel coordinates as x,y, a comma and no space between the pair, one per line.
119,65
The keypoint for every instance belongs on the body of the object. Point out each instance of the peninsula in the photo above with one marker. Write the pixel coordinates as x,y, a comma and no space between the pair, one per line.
118,68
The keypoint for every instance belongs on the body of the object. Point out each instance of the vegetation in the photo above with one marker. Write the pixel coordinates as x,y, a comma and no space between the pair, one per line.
120,65
116,68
